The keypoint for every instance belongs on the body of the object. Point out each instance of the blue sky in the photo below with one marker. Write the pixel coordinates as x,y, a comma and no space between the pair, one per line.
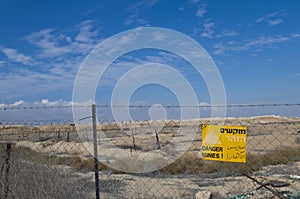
255,45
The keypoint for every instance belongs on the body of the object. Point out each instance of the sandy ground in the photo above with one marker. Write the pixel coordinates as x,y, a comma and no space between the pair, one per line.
186,186
264,135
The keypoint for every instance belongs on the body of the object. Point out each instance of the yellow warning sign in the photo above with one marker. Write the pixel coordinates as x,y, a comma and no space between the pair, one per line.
224,143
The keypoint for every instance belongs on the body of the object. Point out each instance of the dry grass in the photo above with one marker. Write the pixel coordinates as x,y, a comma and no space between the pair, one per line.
31,176
51,168
187,163
190,162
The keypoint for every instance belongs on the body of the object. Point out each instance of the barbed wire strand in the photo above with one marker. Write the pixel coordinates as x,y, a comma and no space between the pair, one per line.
7,108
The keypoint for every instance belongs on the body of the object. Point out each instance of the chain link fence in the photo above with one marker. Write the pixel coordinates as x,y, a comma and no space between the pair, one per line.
51,159
35,162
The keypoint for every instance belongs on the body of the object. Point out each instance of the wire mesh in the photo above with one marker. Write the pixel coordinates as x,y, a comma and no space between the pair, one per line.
40,166
48,159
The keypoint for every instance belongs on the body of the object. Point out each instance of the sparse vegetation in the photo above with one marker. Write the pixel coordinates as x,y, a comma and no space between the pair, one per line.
190,162
187,163
31,176
40,161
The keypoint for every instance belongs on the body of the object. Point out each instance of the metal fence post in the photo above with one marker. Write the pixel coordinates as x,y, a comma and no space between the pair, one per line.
7,160
94,118
157,139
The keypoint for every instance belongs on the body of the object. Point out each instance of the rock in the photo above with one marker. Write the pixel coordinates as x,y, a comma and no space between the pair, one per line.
203,195
295,177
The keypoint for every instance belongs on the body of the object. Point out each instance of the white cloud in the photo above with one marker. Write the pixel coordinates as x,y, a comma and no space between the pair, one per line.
53,43
58,54
273,18
47,111
227,33
33,112
59,111
295,35
266,41
124,64
87,34
136,9
48,43
195,1
208,29
201,10
18,103
204,104
220,49
45,101
136,21
18,57
275,22
201,6
256,44
144,4
2,63
158,36
26,83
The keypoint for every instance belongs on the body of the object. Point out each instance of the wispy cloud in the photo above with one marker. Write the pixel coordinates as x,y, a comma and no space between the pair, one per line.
141,5
220,48
135,11
2,63
227,33
295,35
128,62
51,43
48,43
201,6
258,43
27,83
158,36
87,33
266,41
208,29
135,20
58,55
18,57
36,115
273,18
201,10
43,116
